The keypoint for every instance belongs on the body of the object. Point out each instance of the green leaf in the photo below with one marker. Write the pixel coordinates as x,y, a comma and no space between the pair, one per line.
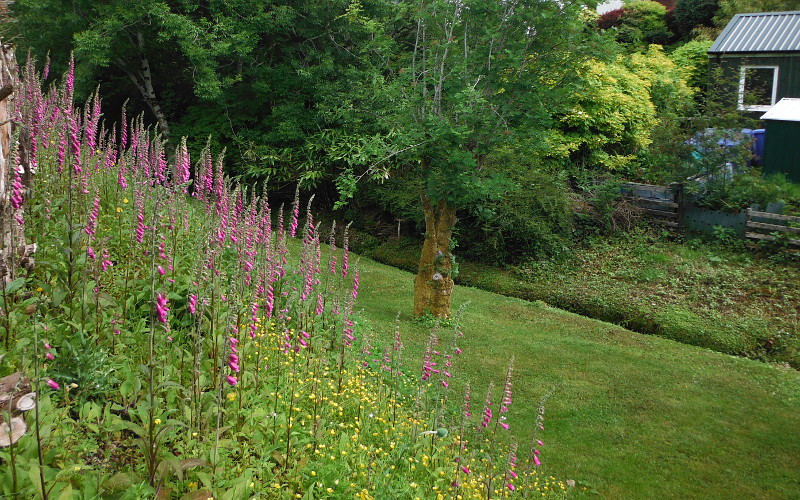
135,428
33,475
204,478
15,285
198,495
119,481
66,494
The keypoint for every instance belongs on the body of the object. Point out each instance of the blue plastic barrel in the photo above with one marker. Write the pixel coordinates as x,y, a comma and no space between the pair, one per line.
758,146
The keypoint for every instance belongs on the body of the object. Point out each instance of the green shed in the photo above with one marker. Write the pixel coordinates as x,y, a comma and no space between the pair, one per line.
782,139
759,55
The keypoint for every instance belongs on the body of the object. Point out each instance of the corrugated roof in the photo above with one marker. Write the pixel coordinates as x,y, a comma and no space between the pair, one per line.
787,110
760,32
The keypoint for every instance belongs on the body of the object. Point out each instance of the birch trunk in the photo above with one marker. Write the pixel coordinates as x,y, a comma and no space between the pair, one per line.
142,79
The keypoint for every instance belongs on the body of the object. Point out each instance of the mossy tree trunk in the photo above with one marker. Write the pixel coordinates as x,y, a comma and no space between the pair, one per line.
433,286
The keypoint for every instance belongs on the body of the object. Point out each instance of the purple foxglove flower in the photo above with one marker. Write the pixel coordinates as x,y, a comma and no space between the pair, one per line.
192,304
161,308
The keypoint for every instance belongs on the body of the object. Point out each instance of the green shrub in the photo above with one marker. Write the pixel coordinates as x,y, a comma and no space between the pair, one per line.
644,22
531,220
692,59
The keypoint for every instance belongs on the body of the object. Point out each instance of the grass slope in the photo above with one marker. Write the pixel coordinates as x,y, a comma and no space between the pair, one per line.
631,416
701,293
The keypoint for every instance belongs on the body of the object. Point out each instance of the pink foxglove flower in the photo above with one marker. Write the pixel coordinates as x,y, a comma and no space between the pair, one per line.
487,410
17,192
355,285
161,308
106,262
192,304
53,384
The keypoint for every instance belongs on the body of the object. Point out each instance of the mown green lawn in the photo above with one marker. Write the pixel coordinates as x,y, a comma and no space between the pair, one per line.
631,416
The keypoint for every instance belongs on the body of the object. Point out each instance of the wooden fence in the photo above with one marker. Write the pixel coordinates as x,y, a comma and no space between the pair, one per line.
659,202
763,226
665,206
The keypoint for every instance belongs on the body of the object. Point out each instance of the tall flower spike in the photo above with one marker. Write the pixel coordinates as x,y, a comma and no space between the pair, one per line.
140,227
295,212
123,143
345,251
182,166
233,360
506,401
355,284
512,463
92,119
75,143
91,225
46,69
17,192
487,408
332,244
70,80
254,320
467,401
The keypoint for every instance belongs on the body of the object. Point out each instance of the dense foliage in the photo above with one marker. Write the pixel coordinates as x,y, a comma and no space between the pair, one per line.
188,338
430,100
208,345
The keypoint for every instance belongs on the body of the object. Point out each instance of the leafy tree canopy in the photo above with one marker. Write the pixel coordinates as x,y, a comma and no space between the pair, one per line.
728,8
690,14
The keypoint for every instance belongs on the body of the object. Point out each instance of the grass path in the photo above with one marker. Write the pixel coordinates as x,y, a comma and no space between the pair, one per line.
631,416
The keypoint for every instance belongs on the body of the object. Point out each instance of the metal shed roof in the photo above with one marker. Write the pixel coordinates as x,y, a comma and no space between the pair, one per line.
760,32
787,110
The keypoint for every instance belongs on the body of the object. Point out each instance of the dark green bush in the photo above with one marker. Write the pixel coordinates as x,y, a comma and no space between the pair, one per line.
534,219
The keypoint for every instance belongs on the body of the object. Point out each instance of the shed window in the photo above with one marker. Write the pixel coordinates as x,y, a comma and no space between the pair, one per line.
758,87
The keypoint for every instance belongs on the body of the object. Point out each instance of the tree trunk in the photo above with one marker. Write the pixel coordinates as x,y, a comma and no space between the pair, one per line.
433,286
14,254
142,79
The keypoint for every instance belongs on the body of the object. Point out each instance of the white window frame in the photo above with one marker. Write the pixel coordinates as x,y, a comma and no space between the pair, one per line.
757,107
